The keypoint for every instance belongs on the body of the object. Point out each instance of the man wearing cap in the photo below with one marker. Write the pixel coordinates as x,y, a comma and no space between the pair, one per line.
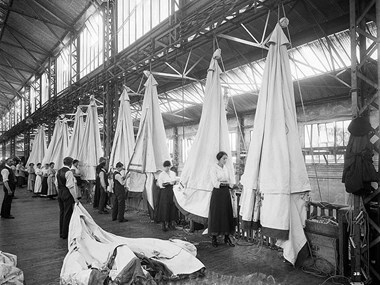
9,186
67,196
100,198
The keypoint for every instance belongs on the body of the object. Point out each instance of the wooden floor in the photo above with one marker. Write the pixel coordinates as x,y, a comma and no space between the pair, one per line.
33,236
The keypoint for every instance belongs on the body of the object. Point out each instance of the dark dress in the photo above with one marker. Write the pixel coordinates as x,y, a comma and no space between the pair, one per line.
221,218
44,189
166,209
97,187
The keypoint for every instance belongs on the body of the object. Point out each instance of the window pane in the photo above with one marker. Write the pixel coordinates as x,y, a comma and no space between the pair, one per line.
91,44
155,13
339,133
139,20
164,9
346,132
132,21
44,88
327,138
307,135
233,141
147,15
330,133
314,136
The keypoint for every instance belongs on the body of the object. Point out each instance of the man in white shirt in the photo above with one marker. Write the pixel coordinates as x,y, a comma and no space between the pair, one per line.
67,196
9,186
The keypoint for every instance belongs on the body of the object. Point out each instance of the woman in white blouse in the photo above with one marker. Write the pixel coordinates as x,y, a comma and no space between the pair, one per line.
166,210
38,182
52,190
220,219
31,177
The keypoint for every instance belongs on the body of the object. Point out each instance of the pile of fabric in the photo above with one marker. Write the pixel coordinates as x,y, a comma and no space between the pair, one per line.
96,256
9,273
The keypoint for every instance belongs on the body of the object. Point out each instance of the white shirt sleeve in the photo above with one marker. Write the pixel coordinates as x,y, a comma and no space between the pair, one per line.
70,183
5,174
120,179
214,177
160,180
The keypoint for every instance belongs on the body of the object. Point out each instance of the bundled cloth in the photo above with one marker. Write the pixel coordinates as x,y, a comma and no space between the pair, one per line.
9,273
359,170
95,256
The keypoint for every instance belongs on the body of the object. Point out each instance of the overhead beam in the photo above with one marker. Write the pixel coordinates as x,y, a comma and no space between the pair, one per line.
67,25
24,48
17,68
27,38
4,96
12,87
46,25
16,59
235,39
38,18
20,47
6,18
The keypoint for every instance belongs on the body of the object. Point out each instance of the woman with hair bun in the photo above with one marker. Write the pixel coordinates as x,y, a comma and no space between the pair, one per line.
220,219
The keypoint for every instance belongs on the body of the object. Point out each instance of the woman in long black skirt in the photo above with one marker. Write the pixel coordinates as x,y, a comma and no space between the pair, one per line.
45,174
220,218
166,210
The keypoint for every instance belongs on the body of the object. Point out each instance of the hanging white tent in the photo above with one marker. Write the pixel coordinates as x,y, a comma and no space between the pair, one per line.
58,144
193,199
275,166
76,139
124,140
38,147
91,148
150,150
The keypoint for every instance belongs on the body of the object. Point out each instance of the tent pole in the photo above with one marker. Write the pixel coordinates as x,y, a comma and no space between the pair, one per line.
355,242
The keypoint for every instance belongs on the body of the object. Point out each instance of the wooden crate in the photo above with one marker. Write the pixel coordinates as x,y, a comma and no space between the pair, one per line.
324,238
326,230
325,248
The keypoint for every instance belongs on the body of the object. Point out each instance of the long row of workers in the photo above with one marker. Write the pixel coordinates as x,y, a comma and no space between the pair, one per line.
66,183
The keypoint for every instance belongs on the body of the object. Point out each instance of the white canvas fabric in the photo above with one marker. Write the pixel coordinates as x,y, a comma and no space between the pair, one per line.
275,166
76,139
58,144
9,273
91,148
91,249
38,147
212,136
151,149
124,140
